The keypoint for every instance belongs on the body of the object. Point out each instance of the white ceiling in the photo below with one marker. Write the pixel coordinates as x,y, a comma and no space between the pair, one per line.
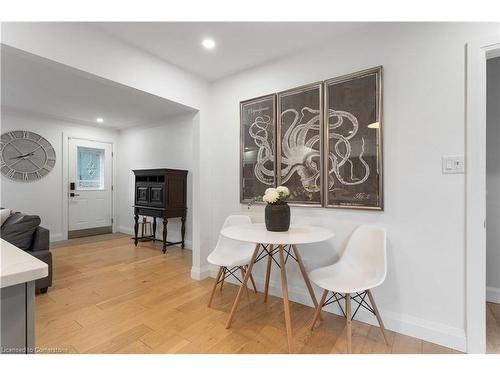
239,45
35,85
39,86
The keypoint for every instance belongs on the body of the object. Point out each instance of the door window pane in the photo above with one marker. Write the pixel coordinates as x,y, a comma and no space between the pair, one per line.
90,168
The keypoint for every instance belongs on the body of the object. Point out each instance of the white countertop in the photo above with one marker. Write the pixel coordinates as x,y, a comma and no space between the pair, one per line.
257,233
18,266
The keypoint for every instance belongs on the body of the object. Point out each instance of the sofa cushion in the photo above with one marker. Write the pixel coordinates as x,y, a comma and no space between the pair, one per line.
19,228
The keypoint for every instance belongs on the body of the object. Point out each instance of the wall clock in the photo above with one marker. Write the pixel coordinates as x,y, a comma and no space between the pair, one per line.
26,156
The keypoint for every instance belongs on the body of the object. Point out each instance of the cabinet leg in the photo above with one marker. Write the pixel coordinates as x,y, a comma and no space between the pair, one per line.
136,229
183,230
154,229
165,222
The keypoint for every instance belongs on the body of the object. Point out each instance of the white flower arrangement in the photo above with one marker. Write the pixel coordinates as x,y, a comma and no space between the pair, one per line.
283,190
271,196
276,195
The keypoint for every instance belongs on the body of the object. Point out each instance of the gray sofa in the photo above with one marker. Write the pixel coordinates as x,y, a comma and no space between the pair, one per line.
25,232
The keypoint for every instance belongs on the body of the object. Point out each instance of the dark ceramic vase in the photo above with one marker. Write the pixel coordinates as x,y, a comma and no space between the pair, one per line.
278,217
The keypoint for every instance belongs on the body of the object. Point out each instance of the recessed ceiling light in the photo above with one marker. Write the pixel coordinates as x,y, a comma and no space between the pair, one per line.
99,120
375,125
208,43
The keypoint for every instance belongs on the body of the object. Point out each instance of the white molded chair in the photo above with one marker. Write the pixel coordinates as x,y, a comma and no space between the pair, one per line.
362,267
231,255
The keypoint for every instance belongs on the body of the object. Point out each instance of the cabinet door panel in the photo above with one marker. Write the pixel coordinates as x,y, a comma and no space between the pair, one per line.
142,195
156,196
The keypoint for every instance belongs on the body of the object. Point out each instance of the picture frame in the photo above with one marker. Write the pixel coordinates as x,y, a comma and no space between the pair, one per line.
353,154
257,147
299,162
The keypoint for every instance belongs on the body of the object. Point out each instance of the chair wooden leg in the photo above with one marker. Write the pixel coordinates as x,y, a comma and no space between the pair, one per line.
349,325
268,272
317,313
240,291
246,288
286,303
377,314
304,275
215,287
253,284
223,278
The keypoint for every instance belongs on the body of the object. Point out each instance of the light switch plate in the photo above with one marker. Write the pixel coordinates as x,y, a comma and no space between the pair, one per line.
453,164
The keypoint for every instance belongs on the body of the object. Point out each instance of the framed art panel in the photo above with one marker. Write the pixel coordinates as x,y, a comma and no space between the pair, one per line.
257,147
299,133
353,140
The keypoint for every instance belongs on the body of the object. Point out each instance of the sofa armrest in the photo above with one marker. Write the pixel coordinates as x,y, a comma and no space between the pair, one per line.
41,239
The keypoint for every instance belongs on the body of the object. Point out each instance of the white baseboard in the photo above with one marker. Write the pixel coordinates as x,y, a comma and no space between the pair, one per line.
492,294
187,243
200,273
126,230
430,331
213,271
56,237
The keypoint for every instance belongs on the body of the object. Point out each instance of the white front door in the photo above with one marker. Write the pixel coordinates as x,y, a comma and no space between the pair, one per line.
90,190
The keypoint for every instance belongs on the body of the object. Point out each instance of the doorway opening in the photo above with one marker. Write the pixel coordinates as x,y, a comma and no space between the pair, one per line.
478,52
492,205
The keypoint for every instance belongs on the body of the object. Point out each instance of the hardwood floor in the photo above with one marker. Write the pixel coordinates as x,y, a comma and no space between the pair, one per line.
492,328
110,297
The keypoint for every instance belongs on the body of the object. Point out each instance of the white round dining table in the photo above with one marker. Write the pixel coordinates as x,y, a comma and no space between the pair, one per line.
270,244
296,235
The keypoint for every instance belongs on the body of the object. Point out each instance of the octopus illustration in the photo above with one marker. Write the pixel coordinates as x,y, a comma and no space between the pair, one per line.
300,148
342,155
259,131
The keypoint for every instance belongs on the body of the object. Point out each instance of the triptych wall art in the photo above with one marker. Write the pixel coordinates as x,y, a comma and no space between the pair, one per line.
323,141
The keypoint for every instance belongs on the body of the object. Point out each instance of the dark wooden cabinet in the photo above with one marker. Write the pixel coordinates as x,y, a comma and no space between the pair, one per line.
160,193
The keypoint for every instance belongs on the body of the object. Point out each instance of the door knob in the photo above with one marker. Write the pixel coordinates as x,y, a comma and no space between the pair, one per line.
74,195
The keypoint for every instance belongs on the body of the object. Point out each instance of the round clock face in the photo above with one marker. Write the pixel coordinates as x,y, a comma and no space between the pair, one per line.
26,156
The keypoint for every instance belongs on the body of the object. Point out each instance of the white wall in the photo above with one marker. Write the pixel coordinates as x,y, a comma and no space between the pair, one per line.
165,145
44,197
424,210
493,181
423,120
84,47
